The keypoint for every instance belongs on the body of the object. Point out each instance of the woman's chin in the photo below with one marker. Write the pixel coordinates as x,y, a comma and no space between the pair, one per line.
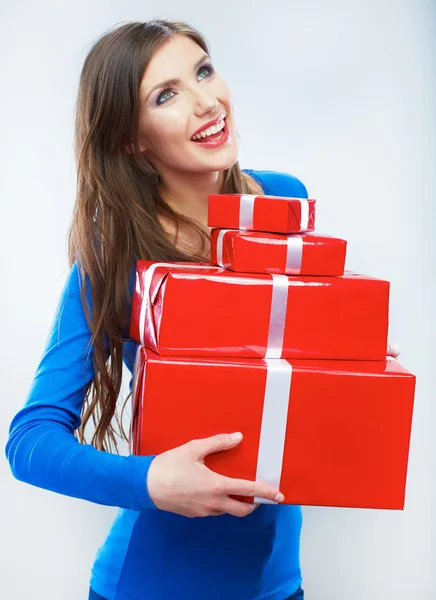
220,161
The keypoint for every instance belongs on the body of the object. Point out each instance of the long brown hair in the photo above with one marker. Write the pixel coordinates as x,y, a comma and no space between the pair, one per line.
115,219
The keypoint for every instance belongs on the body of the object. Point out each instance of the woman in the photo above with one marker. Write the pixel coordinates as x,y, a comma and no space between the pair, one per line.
144,175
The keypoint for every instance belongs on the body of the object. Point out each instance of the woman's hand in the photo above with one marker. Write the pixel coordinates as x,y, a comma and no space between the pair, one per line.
393,350
178,481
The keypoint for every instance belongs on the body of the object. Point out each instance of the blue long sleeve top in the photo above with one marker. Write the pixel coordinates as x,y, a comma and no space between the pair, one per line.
149,554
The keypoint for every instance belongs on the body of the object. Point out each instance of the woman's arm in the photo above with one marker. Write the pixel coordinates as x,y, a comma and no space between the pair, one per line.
42,449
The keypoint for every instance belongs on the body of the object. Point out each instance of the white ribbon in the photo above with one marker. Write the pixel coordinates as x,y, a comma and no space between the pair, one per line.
279,301
274,421
304,219
219,246
277,320
294,254
147,279
246,211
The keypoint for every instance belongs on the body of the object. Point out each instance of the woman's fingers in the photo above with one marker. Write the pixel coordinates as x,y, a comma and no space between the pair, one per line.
245,487
393,350
237,508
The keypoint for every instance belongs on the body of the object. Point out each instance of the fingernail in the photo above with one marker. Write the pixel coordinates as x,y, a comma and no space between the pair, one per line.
236,436
279,497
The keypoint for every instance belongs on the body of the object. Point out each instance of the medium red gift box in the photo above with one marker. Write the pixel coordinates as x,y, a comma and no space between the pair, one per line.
277,214
188,309
327,433
290,254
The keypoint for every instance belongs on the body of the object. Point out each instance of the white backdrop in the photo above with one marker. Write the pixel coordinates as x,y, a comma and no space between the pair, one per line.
341,94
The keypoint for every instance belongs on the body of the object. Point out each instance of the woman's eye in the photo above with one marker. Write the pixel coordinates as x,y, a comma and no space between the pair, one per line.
207,68
163,96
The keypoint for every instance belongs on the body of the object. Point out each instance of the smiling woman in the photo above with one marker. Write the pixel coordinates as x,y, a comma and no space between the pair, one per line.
179,92
178,123
176,110
155,135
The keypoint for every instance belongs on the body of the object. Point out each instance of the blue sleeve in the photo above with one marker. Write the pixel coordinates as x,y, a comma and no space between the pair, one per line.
42,449
290,185
280,184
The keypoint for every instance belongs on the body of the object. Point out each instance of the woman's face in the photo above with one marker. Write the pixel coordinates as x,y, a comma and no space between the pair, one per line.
170,114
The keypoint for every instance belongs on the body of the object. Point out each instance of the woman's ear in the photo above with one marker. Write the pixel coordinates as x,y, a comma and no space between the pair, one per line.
130,149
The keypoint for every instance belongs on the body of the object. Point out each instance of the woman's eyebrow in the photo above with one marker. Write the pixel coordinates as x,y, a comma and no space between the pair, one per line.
175,81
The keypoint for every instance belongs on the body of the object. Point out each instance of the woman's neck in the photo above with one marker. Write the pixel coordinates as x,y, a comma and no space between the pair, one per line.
187,193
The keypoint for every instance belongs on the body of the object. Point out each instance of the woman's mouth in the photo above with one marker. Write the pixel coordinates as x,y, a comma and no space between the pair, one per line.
213,137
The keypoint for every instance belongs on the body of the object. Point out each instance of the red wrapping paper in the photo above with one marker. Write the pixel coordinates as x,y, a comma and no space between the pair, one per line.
204,310
347,431
292,254
277,214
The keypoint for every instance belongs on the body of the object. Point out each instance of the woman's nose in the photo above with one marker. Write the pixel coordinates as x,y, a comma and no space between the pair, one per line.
205,102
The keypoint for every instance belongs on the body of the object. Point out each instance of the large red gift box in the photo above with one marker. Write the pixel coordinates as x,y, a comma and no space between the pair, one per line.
186,309
290,254
327,433
277,214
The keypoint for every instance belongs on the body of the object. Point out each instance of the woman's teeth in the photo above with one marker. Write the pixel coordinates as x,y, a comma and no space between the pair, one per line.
209,131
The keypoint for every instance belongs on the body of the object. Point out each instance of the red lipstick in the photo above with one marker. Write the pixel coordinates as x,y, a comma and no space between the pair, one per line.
210,124
216,140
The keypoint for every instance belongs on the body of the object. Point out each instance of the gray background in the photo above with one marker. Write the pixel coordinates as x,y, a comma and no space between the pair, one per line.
341,94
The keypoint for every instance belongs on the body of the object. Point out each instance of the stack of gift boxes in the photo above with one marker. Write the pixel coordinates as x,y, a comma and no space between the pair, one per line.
274,339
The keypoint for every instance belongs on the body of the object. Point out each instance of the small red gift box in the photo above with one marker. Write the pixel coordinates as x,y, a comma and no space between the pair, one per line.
291,254
327,433
277,214
188,309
